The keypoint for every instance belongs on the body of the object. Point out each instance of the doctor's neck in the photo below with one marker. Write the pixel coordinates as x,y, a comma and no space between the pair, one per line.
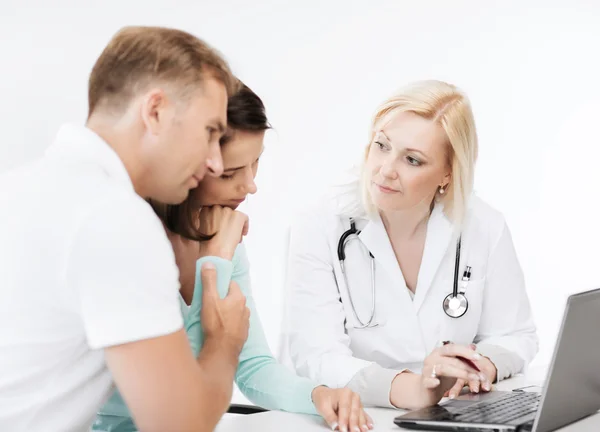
408,223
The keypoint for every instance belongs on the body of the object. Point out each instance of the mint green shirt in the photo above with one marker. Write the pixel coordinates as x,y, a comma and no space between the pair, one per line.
259,376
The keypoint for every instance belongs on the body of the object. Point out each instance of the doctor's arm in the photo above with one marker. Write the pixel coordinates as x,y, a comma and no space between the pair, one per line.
318,343
506,334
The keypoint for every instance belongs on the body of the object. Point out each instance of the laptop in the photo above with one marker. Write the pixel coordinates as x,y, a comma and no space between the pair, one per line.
570,393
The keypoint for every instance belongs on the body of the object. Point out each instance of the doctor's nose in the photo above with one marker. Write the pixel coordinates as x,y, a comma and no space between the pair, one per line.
388,170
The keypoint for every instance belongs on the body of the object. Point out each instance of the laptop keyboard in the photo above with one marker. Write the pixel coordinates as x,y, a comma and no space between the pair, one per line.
499,411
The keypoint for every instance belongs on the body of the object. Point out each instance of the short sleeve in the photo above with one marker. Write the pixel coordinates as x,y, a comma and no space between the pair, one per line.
122,269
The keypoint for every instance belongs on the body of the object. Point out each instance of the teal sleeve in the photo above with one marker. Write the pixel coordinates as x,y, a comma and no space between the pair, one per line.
259,376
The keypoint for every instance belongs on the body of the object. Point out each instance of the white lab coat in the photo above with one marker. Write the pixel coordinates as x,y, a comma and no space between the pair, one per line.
323,342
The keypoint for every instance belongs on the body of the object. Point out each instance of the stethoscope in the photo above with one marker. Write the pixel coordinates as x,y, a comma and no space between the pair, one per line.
455,304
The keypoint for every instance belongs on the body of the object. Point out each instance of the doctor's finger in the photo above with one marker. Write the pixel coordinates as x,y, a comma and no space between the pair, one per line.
455,391
430,383
456,350
453,361
450,371
483,385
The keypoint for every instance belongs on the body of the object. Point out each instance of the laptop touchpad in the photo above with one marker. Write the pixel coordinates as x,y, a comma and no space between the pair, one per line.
469,398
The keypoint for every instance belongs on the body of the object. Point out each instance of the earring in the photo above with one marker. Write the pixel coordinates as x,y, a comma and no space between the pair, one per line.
442,190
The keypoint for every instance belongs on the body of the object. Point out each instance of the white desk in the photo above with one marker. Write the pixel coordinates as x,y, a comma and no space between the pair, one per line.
383,418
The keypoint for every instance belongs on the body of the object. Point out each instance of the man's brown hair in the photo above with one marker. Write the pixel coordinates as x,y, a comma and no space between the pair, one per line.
137,57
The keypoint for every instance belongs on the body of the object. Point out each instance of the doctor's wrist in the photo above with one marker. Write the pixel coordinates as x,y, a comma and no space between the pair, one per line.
490,369
405,387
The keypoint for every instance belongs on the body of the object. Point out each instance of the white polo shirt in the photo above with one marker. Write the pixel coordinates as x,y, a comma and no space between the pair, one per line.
84,264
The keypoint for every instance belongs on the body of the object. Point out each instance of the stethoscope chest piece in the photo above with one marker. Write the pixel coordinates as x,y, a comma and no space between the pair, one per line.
455,306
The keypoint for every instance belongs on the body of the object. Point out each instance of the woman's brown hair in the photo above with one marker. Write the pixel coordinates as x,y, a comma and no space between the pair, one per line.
245,112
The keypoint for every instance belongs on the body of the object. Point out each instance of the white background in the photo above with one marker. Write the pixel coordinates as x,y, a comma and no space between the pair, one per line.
532,70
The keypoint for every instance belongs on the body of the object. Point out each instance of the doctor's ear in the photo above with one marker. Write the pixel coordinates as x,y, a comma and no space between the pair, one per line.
153,110
443,187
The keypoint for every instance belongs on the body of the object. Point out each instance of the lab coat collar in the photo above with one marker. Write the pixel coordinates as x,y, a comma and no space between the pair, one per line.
440,233
438,238
376,240
79,143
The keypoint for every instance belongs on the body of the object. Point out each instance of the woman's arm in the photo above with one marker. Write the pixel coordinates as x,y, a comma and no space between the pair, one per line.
509,339
259,376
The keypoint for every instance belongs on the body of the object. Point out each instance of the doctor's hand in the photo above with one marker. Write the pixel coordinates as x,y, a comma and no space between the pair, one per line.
441,369
341,409
228,227
489,370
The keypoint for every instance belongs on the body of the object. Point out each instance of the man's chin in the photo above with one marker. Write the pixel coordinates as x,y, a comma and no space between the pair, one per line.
169,200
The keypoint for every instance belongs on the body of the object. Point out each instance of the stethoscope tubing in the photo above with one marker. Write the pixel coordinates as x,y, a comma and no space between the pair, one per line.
447,304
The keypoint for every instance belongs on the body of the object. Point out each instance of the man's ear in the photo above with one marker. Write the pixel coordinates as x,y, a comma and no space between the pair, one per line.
153,109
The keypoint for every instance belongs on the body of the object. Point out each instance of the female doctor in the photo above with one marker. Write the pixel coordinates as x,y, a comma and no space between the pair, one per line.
407,287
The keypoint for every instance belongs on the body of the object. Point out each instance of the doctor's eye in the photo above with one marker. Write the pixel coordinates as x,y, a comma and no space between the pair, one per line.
412,161
380,145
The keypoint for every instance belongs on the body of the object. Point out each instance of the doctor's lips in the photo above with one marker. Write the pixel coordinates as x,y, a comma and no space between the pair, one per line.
386,189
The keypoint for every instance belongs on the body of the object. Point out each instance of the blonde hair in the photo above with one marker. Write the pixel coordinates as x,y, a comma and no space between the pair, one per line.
446,105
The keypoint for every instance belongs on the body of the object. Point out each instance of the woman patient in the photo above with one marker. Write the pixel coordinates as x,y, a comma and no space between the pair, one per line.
207,228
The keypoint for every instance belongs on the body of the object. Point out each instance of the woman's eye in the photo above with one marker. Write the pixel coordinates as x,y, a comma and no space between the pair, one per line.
412,161
227,176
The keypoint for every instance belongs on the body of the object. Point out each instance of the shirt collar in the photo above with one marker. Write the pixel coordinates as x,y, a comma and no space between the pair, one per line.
81,144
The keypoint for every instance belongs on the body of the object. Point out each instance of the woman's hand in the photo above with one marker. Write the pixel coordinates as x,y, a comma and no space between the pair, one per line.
487,368
341,409
441,370
229,228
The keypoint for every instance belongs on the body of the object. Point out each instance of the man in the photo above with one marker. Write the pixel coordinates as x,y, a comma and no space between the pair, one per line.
88,280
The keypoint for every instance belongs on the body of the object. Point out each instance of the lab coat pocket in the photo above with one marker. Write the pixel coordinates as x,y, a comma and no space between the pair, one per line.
464,329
